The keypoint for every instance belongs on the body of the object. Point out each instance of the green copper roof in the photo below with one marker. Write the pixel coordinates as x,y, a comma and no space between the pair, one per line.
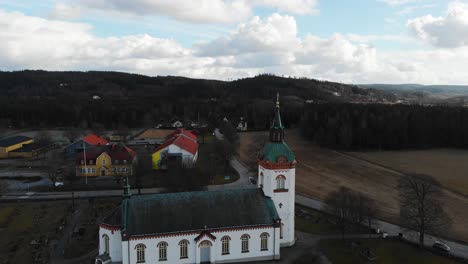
273,150
191,211
277,124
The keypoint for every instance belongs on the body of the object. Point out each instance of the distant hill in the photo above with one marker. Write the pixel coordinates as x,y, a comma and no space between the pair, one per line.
112,99
439,91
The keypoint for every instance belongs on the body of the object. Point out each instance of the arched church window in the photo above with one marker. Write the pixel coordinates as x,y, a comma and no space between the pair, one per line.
281,182
245,243
162,251
264,241
105,240
140,253
183,249
225,245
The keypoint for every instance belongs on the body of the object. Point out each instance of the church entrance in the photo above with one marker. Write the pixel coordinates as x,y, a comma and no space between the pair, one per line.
205,247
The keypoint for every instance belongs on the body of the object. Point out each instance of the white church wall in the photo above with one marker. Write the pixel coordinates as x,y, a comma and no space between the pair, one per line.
286,199
115,248
235,251
255,253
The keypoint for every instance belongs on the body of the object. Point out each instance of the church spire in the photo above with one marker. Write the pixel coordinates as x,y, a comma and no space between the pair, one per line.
127,193
277,128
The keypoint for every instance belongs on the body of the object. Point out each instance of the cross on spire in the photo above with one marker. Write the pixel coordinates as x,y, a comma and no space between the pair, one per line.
276,130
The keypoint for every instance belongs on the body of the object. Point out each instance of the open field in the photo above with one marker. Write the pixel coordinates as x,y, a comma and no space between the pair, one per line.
320,171
22,224
337,251
448,166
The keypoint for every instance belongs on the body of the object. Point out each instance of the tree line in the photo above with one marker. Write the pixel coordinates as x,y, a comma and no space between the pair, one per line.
385,127
32,99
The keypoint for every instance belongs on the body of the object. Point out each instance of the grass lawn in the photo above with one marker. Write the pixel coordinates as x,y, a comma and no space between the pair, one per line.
5,213
208,139
313,221
387,252
210,161
219,178
307,258
26,222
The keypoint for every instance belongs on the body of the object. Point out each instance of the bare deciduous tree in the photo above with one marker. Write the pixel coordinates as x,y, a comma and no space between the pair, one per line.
340,204
350,209
420,208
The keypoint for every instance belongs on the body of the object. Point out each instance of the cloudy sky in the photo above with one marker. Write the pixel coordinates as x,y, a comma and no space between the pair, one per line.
358,41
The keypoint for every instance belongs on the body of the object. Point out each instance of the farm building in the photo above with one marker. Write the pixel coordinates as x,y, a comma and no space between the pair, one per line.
109,160
152,136
179,143
17,147
85,142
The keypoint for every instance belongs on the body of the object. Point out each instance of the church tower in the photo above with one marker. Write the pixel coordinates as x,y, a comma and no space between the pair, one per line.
277,176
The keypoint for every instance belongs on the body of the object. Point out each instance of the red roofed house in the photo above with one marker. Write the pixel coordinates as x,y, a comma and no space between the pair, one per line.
109,160
180,144
85,142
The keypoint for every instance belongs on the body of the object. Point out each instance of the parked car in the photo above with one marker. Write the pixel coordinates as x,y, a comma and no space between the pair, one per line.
252,180
439,246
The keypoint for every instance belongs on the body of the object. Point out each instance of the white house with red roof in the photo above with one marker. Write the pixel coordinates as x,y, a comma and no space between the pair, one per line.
181,144
85,142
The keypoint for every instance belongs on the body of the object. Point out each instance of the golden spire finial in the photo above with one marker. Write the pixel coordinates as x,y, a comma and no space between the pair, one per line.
277,99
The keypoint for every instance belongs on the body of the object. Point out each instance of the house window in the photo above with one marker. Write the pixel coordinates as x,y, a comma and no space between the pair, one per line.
91,162
116,161
103,161
105,240
162,251
140,252
82,162
245,243
183,249
264,241
125,161
225,245
280,182
83,170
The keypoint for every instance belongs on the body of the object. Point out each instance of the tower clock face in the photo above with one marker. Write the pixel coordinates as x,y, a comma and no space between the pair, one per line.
281,159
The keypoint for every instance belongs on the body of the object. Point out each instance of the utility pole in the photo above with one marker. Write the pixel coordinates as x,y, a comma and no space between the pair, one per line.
86,171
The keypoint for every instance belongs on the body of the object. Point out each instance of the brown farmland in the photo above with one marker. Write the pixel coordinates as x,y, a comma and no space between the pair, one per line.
320,171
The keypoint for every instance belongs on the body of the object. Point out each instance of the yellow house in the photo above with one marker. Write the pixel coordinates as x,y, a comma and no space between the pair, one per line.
109,160
11,147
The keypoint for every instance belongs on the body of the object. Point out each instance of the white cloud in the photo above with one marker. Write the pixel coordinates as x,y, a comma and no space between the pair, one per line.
292,6
32,42
63,10
448,31
275,33
202,11
269,45
398,2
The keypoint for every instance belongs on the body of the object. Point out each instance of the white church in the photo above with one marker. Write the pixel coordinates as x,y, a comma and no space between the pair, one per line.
212,226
